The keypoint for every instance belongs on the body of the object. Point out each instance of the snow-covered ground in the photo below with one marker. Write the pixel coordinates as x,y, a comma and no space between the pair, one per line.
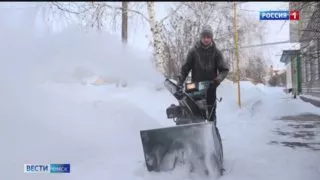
49,114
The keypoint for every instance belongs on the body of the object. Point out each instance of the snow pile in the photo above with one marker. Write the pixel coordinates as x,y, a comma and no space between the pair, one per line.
249,94
247,132
257,99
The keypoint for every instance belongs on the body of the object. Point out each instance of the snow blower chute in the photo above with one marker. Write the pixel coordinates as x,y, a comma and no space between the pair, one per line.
194,142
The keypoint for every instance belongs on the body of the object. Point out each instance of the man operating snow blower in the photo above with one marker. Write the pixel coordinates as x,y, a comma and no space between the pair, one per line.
206,63
195,140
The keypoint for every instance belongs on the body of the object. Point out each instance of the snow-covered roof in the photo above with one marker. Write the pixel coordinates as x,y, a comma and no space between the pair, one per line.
287,54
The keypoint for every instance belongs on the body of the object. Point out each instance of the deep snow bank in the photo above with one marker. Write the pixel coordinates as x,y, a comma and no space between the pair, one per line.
271,100
247,132
228,90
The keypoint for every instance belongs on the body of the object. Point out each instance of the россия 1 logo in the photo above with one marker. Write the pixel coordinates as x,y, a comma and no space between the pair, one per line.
47,168
279,15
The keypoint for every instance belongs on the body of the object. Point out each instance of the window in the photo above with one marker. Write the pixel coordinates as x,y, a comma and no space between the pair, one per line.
318,58
304,63
304,71
309,70
313,60
316,75
316,72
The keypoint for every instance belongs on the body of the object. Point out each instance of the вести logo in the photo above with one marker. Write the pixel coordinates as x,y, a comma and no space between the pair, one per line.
47,168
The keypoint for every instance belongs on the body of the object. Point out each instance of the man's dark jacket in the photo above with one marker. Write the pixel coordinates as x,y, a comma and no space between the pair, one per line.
206,64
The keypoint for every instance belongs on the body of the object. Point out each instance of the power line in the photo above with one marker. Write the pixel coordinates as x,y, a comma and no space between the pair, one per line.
249,10
266,44
17,7
259,45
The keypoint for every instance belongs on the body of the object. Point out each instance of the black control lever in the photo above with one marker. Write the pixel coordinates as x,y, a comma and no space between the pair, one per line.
219,100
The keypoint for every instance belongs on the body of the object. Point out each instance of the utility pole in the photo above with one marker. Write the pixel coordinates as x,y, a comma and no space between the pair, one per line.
237,51
124,28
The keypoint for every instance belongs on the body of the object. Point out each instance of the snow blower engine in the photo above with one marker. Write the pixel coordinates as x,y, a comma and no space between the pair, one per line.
192,106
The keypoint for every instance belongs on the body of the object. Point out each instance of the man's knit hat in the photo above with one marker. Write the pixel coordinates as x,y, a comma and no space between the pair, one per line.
206,31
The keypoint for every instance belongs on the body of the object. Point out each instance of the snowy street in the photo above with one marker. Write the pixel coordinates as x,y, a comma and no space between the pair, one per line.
96,130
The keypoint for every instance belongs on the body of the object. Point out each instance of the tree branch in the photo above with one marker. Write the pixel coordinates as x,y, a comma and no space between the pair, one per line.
95,5
61,7
129,10
172,13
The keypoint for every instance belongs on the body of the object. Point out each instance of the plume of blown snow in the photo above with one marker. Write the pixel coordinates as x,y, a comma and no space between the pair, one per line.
39,126
72,55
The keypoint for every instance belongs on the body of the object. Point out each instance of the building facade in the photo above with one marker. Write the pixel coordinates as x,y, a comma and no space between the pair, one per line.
307,32
310,56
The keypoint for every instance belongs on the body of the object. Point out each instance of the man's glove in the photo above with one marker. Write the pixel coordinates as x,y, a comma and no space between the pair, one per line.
179,86
179,93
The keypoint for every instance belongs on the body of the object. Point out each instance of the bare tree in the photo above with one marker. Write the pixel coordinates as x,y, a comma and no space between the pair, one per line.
157,28
124,28
172,38
156,32
97,15
183,29
257,71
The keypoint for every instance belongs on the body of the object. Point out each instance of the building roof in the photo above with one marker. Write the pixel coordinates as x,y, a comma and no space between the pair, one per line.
287,54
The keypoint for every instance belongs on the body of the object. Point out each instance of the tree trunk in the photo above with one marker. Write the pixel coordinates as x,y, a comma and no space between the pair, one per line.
156,34
124,34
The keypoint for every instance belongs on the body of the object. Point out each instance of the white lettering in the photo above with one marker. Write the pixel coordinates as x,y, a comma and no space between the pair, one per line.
37,168
268,15
274,15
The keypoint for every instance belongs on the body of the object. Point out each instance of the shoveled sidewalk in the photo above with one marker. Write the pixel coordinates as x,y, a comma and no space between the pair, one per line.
301,131
311,99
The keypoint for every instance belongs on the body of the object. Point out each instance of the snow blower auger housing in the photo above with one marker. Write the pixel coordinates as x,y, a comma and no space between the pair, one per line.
194,141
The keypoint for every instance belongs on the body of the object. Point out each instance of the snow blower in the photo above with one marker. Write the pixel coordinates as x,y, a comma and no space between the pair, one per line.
194,142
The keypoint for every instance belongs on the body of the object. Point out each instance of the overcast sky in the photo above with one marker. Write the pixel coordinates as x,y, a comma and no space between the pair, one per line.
139,34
